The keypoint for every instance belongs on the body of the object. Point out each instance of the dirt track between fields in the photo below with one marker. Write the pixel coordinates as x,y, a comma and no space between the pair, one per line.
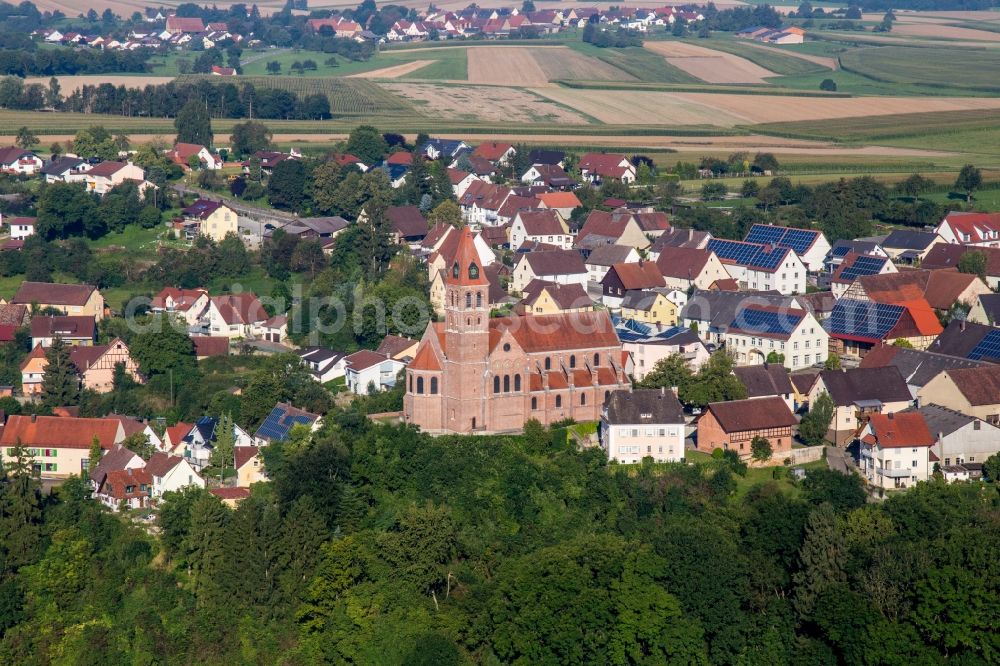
392,72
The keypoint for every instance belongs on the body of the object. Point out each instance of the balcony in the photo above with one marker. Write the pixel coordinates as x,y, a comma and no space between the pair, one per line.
906,472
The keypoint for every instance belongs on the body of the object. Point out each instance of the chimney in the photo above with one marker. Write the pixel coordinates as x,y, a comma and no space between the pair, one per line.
34,417
673,389
663,391
890,416
962,325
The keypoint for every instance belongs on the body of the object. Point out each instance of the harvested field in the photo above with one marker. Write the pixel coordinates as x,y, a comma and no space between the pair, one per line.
936,31
483,103
505,67
727,110
392,72
70,84
710,65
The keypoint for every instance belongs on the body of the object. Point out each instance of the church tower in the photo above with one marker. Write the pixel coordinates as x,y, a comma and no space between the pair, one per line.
466,338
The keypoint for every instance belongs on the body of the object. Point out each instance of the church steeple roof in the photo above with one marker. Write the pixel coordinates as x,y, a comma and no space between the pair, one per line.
466,270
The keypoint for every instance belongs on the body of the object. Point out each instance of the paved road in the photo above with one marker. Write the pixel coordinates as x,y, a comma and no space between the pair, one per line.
838,460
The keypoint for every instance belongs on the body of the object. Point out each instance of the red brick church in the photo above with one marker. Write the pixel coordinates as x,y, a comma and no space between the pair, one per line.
474,374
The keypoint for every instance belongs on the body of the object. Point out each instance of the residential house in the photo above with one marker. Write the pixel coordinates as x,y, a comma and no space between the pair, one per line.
117,458
543,298
842,248
130,488
231,496
59,446
759,267
74,330
563,203
446,149
794,335
767,381
72,299
971,391
622,227
324,365
184,154
548,175
559,266
249,466
173,437
649,306
646,348
600,259
545,156
854,266
895,450
857,326
972,229
961,442
710,313
178,24
461,181
188,304
910,247
540,226
408,224
858,393
968,340
281,420
222,71
597,167
917,367
733,426
941,289
644,423
367,372
97,365
65,169
986,310
945,256
33,371
273,329
686,267
107,175
19,161
21,227
207,346
213,218
496,152
622,278
171,474
809,245
397,347
679,238
234,315
14,316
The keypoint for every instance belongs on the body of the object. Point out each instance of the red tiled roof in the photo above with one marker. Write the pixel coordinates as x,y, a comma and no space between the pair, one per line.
236,493
183,24
559,199
685,263
240,308
106,169
980,386
245,454
72,326
50,293
554,262
425,359
58,432
643,275
161,463
177,432
364,359
182,299
466,268
207,345
541,222
492,150
400,157
752,414
899,430
456,176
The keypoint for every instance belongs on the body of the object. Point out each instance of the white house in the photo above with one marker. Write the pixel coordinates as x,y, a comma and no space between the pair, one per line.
324,365
759,330
856,265
759,267
171,473
895,450
19,161
646,351
559,266
20,227
234,315
367,370
603,257
810,245
977,229
106,175
961,442
643,423
540,226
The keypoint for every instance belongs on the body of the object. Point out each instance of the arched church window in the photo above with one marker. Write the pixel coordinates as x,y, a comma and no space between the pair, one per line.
496,384
473,272
517,382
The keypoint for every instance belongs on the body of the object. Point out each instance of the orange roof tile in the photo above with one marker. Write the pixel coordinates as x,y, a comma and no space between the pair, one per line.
59,432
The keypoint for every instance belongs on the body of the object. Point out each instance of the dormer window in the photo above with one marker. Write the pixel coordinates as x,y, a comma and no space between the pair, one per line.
455,270
473,272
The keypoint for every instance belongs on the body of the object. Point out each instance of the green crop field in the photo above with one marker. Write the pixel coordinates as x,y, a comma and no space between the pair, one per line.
882,128
928,67
642,64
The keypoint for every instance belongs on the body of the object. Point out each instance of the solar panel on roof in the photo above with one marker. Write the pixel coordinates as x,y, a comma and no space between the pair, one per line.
746,254
797,240
988,348
863,265
766,322
863,319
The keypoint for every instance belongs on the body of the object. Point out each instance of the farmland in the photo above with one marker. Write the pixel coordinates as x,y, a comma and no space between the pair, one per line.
70,84
709,65
937,67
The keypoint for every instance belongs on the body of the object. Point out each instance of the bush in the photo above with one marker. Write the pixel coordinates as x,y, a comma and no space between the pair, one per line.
828,85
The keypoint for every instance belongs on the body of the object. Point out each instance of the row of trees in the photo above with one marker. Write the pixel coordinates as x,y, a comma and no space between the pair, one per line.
380,544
